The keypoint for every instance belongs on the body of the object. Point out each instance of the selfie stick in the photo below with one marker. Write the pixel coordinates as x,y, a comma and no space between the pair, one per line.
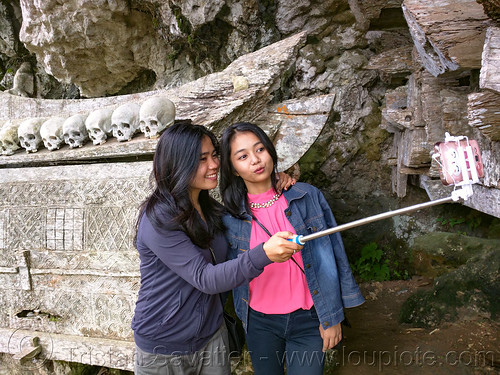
464,155
301,240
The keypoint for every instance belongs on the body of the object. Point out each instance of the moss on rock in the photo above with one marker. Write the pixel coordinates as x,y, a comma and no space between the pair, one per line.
470,292
437,253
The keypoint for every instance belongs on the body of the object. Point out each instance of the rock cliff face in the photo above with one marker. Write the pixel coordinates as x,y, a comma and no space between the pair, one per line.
354,93
372,56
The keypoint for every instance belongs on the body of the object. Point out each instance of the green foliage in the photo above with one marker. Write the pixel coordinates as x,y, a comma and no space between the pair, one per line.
191,40
182,22
471,221
399,275
370,265
377,264
155,22
451,222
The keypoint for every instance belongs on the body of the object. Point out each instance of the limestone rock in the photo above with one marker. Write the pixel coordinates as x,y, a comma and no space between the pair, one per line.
199,12
7,33
294,126
209,101
113,42
311,16
437,253
469,293
491,8
23,81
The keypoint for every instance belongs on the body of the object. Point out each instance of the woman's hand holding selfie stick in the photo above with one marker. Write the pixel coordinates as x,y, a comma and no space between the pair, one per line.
279,248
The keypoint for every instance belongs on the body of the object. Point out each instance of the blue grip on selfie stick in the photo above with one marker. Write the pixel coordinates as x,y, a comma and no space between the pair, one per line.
297,240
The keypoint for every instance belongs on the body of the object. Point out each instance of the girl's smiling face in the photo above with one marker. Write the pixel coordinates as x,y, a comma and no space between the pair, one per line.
252,162
206,175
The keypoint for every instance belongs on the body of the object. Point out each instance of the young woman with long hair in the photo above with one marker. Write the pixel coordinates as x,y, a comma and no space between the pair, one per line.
292,311
178,324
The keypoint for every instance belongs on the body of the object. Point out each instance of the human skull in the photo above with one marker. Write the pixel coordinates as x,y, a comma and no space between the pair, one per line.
52,133
98,125
125,121
29,134
9,140
74,131
156,114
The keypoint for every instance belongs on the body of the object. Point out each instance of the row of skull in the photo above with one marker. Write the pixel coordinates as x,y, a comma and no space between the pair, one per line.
151,118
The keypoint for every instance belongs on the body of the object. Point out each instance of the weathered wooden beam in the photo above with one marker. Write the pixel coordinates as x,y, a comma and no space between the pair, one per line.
484,199
444,106
416,149
407,170
454,107
489,77
399,180
395,61
395,111
484,113
294,125
448,35
118,354
415,94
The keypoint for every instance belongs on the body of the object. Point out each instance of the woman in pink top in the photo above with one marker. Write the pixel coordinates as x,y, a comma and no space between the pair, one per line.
292,311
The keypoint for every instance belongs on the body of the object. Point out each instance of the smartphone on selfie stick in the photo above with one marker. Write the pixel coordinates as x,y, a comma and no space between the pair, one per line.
461,165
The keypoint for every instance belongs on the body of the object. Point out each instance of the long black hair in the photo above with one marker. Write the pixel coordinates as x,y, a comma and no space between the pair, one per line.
175,164
232,187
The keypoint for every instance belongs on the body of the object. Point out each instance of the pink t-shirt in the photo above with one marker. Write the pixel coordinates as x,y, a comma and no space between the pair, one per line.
282,287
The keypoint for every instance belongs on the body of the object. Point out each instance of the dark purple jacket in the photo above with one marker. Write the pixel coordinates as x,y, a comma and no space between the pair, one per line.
179,308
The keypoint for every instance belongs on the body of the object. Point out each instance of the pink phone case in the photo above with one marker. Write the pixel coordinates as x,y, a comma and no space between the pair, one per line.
451,172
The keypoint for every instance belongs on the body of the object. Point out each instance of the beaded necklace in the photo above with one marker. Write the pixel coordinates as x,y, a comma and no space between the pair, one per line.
267,204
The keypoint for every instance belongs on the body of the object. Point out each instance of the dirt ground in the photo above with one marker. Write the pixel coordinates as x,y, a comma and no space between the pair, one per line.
377,343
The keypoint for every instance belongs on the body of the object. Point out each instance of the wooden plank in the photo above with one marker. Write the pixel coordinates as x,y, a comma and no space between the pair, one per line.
416,149
394,61
69,232
415,97
484,113
484,199
395,110
448,35
489,77
432,109
454,111
406,170
399,180
118,354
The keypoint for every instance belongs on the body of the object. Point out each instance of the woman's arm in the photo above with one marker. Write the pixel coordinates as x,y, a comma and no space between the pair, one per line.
193,264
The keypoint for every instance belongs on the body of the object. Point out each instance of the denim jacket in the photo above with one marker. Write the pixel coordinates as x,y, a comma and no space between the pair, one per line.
328,274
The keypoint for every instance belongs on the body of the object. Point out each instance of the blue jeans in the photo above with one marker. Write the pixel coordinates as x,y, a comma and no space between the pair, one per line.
294,339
